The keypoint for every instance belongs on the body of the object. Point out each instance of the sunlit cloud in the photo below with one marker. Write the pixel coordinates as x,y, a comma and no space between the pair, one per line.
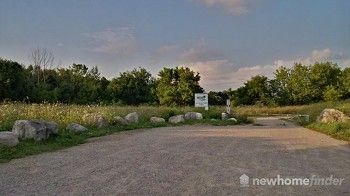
237,7
119,41
223,74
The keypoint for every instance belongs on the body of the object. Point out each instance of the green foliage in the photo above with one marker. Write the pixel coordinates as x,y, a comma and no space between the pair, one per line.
300,84
177,86
345,81
133,88
12,80
253,92
217,98
77,84
331,94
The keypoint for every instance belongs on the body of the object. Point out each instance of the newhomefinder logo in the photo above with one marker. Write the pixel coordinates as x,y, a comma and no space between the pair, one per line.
289,181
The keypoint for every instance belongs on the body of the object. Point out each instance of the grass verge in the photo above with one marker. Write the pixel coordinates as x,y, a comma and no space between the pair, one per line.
67,139
336,130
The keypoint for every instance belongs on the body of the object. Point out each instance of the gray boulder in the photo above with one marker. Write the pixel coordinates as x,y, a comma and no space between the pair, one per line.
119,120
132,118
193,116
77,128
95,119
8,139
36,129
52,126
176,119
232,119
224,116
331,115
157,120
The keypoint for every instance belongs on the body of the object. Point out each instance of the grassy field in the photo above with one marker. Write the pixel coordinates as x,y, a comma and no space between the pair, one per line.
65,114
336,130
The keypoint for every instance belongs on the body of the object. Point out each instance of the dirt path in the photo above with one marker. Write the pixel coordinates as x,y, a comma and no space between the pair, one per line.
188,160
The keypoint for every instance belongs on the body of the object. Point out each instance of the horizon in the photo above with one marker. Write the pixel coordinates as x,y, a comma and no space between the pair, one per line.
227,42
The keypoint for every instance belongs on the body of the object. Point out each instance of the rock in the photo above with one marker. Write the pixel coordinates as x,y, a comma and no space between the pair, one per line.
8,139
331,115
157,120
52,126
224,116
77,128
232,119
176,119
303,118
95,119
36,129
132,118
193,116
119,120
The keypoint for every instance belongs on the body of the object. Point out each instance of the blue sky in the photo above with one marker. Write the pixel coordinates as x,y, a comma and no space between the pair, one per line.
226,41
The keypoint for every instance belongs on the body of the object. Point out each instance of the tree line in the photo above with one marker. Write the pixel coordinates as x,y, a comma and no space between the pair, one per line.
77,84
301,84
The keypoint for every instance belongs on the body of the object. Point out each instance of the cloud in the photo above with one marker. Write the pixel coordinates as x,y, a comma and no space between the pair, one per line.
167,49
199,51
237,7
119,41
223,74
320,55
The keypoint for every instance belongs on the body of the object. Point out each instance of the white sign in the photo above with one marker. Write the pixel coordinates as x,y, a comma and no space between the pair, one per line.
201,100
228,106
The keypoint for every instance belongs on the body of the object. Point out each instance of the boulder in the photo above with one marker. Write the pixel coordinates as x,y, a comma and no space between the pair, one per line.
77,128
176,119
193,116
119,120
8,139
95,119
52,126
331,115
132,118
36,129
232,119
157,120
224,116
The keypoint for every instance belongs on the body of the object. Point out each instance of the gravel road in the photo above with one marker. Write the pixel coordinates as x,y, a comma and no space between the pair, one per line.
185,160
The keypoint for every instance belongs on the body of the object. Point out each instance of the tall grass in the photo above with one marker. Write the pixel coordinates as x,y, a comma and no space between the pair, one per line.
64,114
313,109
336,130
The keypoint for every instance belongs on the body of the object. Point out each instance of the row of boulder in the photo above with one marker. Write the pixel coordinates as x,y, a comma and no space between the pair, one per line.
41,130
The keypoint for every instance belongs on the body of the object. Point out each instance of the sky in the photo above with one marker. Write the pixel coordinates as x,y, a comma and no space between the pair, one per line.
226,41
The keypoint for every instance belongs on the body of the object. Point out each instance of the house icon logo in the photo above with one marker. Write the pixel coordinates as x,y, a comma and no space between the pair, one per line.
244,180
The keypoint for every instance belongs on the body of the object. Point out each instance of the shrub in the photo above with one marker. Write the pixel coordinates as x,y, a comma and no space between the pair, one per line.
331,94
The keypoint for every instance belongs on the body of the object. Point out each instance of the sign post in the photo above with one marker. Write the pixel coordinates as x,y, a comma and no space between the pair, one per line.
228,106
201,100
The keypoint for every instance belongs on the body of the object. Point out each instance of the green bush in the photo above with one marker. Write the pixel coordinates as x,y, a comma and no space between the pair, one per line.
331,94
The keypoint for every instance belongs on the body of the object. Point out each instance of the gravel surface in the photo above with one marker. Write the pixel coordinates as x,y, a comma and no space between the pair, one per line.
186,160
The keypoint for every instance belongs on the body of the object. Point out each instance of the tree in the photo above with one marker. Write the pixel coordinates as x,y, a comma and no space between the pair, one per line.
345,81
323,76
12,80
278,87
331,94
300,85
177,86
133,87
254,91
42,59
217,98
